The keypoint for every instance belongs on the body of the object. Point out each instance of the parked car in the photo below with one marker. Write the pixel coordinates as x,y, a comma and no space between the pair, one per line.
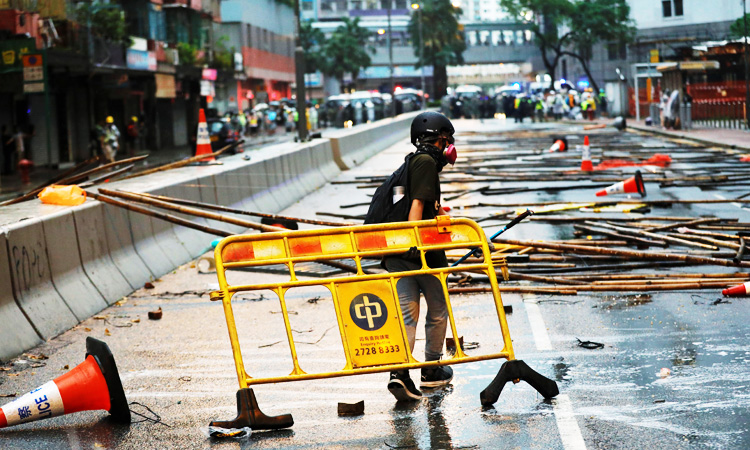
407,100
338,110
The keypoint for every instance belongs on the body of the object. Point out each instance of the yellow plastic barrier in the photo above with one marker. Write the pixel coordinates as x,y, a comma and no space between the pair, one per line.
368,314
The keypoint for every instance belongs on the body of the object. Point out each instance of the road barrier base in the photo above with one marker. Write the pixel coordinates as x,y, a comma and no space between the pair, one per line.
250,415
513,371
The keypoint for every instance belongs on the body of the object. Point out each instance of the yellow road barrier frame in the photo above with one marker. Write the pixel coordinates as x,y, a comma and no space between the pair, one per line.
356,243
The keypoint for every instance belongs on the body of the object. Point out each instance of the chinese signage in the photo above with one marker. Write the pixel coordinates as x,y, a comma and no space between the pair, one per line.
12,51
33,74
165,86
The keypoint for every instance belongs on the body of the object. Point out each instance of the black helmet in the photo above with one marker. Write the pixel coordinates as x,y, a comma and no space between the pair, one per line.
430,123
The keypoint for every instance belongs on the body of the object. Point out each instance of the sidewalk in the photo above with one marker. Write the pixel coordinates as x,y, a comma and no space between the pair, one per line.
11,186
723,137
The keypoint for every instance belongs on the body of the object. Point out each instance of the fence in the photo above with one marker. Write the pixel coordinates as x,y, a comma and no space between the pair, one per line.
720,114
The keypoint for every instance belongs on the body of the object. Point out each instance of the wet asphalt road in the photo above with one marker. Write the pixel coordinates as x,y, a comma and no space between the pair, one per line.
181,367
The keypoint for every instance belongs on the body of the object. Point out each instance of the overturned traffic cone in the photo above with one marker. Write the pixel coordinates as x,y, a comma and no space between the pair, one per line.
630,186
737,291
560,145
586,156
93,384
203,141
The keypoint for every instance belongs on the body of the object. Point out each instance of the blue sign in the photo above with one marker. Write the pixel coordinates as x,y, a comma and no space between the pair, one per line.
137,59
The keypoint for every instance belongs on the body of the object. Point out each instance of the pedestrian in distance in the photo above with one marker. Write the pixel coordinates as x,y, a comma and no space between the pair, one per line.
132,133
110,140
432,134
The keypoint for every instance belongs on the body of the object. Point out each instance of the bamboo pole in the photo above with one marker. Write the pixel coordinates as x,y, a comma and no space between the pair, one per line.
517,289
656,275
675,240
184,162
167,217
51,181
82,176
668,281
715,242
684,224
628,202
107,176
611,233
214,207
191,211
624,253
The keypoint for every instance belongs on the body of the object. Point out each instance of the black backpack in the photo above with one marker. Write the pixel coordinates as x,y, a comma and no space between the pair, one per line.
382,208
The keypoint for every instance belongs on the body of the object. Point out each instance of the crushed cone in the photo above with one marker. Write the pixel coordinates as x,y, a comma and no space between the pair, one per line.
560,145
94,384
632,185
737,291
203,141
586,165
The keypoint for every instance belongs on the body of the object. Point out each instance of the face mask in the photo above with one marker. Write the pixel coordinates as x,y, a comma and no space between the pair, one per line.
450,154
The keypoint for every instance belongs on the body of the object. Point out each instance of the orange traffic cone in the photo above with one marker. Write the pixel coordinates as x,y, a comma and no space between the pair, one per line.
631,185
737,291
93,384
203,141
586,156
560,145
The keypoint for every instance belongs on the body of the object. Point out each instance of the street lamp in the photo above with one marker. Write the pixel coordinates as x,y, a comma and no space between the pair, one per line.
390,60
299,64
747,71
415,7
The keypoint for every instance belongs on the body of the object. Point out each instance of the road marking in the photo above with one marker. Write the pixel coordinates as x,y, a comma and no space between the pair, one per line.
570,434
567,425
739,205
537,323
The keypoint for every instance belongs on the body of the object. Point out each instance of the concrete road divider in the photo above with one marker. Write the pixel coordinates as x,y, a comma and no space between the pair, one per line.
66,269
32,280
94,250
121,248
353,146
66,264
16,333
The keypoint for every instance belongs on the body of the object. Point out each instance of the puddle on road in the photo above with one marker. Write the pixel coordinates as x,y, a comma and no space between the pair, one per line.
618,302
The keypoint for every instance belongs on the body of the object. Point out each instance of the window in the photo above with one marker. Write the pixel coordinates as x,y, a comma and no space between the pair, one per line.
671,8
616,51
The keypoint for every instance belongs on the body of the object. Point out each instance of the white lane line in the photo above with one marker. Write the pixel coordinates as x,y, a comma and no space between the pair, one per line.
567,425
570,434
739,205
537,323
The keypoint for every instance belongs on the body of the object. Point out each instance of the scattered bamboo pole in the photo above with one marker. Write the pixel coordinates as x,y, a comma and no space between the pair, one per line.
611,233
709,233
167,217
520,276
684,224
82,176
715,242
214,207
191,211
51,181
668,281
740,252
517,289
624,253
630,202
106,176
675,240
184,162
632,276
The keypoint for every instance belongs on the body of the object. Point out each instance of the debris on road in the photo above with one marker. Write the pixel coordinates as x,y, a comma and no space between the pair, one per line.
155,315
351,409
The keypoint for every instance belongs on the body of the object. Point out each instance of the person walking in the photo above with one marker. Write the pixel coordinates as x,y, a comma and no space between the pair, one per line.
432,134
110,140
132,133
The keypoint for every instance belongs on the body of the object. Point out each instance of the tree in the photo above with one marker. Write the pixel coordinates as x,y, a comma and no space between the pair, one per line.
346,51
545,19
107,21
572,28
737,29
443,42
312,40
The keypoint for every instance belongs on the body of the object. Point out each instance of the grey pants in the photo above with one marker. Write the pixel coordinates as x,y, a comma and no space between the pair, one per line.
409,289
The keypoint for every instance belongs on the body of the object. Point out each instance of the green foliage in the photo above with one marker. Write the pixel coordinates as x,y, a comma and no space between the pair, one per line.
347,50
188,53
443,43
737,29
585,23
107,21
289,3
223,56
312,40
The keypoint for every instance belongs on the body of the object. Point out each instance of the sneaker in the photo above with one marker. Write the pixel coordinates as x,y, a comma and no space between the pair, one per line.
433,377
402,387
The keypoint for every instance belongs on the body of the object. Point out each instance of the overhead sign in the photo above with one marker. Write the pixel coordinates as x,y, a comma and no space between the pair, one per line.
209,74
165,86
141,60
207,88
12,51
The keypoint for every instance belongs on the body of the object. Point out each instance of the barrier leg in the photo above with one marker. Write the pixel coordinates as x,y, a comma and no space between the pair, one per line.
515,370
250,415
